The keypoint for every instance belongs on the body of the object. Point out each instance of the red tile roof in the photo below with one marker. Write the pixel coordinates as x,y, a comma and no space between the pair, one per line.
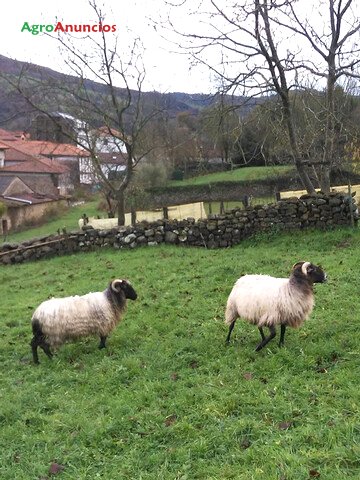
112,158
106,131
37,165
41,147
3,146
14,155
6,135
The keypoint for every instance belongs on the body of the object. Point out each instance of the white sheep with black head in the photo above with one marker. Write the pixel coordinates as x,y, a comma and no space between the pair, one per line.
59,320
267,301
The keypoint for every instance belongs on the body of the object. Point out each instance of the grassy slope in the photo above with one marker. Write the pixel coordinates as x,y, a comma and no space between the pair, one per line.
237,175
69,220
167,399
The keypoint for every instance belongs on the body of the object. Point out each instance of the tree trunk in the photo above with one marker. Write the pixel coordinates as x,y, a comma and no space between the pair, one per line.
327,159
325,178
304,177
278,75
133,215
120,199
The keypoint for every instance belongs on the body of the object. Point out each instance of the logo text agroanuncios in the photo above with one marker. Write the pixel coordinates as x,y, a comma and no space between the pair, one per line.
72,28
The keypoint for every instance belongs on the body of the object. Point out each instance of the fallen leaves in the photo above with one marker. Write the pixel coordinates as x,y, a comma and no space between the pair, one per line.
55,468
285,425
245,443
170,419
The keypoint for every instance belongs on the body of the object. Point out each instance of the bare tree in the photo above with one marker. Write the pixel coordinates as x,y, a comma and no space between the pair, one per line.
259,48
116,106
250,60
338,50
222,126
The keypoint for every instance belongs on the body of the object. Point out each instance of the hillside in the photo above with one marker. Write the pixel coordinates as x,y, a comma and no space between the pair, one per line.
15,113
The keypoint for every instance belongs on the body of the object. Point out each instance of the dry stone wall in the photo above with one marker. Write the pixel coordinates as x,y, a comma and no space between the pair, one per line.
218,231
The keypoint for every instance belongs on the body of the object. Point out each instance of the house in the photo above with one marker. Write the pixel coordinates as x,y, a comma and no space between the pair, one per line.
10,155
3,148
110,153
6,135
111,164
23,205
11,184
56,127
18,150
108,140
41,175
30,186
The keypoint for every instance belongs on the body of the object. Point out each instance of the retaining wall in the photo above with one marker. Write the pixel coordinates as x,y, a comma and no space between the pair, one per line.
320,211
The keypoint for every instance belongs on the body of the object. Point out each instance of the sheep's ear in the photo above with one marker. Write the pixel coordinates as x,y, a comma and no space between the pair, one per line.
303,266
117,285
297,265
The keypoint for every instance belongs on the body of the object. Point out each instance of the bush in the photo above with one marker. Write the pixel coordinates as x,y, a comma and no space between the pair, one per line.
151,174
2,209
52,212
177,174
82,192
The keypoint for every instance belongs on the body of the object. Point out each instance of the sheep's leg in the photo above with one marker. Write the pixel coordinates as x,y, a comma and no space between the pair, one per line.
262,333
39,341
231,328
282,335
266,339
102,343
34,344
46,347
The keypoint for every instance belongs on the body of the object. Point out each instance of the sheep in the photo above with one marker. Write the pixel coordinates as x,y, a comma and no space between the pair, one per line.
58,320
267,301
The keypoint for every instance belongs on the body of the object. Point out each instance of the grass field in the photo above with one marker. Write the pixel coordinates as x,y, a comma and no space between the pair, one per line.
237,175
167,400
69,220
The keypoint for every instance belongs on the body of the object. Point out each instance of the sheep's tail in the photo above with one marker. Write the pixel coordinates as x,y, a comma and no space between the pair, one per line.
36,328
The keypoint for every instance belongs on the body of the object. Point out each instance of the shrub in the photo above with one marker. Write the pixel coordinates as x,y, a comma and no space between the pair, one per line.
2,208
177,174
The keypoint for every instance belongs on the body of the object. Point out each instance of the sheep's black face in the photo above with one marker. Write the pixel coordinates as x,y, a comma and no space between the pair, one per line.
313,273
316,274
128,290
124,288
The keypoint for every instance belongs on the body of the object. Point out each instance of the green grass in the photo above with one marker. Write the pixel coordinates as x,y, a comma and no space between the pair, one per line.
69,220
166,399
237,175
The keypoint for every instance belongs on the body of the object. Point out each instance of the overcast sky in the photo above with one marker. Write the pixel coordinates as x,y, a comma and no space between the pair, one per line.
165,71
